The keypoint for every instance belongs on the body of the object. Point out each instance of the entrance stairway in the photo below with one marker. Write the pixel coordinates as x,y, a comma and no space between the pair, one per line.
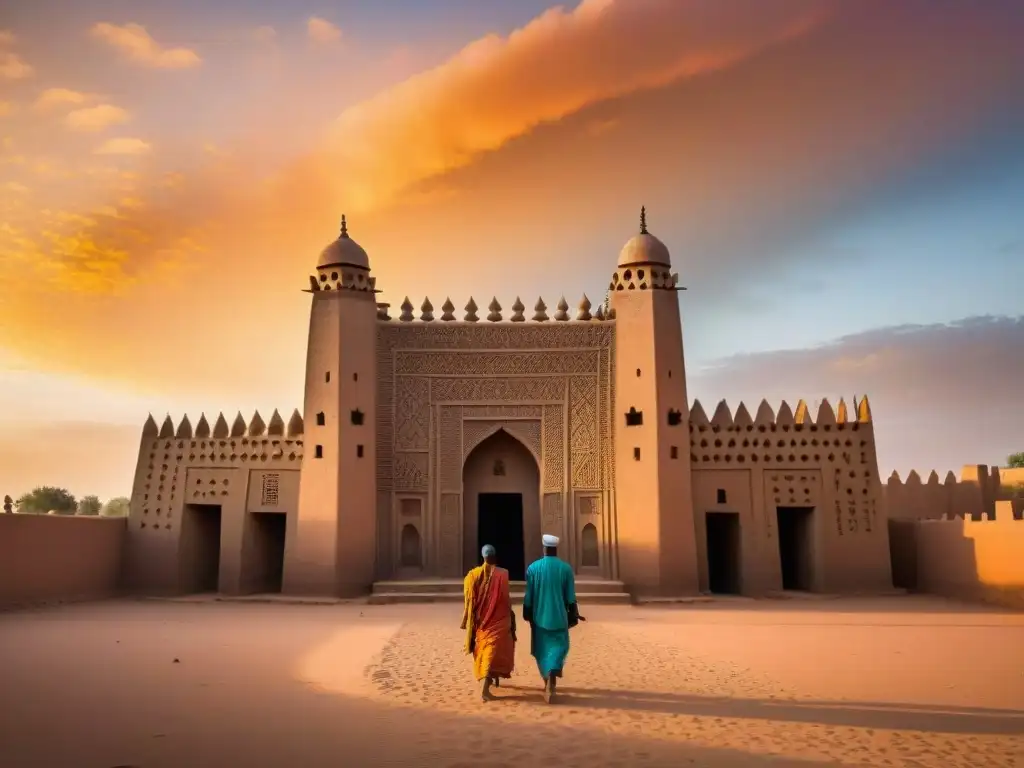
588,592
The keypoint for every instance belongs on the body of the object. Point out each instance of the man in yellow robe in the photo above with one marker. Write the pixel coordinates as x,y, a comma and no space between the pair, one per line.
489,622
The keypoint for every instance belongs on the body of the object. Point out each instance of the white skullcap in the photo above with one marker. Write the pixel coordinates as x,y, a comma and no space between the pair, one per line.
549,540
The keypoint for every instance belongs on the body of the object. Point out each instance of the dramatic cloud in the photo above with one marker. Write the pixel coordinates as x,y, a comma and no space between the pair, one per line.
322,31
519,150
941,395
13,67
124,146
96,118
497,89
57,97
134,42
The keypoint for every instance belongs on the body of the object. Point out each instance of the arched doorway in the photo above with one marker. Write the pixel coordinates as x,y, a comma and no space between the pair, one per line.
501,503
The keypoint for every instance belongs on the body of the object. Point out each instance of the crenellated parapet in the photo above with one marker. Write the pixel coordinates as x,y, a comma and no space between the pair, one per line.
974,494
786,419
835,444
494,313
255,427
241,443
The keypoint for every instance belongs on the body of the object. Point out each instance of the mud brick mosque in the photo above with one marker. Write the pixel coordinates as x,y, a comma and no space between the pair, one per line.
424,436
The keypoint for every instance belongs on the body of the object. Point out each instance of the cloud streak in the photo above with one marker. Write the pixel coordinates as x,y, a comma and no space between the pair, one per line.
497,89
98,118
58,97
322,31
124,146
13,67
136,44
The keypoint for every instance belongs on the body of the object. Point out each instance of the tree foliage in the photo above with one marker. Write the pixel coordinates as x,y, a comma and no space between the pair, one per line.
89,505
116,507
1015,460
46,498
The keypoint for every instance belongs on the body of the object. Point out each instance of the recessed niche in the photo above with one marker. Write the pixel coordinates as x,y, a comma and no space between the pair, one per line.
357,417
359,451
355,377
675,418
674,452
327,377
318,452
634,418
720,496
638,373
321,420
636,454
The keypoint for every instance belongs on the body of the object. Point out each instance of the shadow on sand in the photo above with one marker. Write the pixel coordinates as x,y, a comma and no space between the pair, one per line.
856,714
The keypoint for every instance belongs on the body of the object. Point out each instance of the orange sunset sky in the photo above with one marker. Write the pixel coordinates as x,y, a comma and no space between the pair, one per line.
840,182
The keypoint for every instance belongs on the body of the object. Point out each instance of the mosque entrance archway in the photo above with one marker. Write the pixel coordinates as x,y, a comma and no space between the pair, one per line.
501,501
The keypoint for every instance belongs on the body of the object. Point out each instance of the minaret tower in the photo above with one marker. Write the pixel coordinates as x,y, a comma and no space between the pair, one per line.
653,488
331,548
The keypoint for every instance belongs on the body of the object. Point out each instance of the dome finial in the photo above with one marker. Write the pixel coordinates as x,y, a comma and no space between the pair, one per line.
643,220
344,228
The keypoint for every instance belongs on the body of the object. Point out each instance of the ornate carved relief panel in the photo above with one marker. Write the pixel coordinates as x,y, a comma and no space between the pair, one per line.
549,386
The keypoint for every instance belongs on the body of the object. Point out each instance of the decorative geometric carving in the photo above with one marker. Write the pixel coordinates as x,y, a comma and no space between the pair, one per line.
589,505
527,432
411,471
512,376
551,514
502,411
269,496
495,363
510,336
583,429
450,523
553,448
451,456
412,401
528,389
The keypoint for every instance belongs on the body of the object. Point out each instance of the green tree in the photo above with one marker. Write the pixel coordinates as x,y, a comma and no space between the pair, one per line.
46,498
116,507
89,505
1015,460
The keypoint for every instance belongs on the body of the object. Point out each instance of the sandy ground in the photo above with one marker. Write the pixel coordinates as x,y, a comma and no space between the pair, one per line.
891,682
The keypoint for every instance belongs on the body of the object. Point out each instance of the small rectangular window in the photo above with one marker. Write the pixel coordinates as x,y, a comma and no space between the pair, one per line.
319,452
321,419
359,451
721,496
674,452
327,377
636,454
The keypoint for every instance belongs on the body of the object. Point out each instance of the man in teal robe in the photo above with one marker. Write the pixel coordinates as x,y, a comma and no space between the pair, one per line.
549,606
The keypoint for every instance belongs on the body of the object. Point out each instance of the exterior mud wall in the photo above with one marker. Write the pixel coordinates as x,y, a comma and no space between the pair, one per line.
51,558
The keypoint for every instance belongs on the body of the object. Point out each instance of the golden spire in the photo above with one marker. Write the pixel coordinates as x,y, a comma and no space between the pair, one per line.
344,228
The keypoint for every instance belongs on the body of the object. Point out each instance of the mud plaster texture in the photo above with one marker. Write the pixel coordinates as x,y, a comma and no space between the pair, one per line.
887,682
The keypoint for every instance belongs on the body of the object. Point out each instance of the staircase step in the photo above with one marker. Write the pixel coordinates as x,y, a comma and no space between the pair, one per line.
395,597
454,587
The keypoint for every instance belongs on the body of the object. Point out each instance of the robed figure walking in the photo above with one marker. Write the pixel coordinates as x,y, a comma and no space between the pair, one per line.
489,622
551,610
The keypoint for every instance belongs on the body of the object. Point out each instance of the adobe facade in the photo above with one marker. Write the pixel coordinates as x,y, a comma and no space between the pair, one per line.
424,434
